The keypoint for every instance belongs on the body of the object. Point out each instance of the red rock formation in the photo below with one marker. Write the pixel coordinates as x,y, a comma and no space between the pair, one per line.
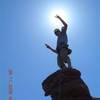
66,85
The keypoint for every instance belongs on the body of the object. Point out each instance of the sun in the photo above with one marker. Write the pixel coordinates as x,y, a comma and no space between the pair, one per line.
53,20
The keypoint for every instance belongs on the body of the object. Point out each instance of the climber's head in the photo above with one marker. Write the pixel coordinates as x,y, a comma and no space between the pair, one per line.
57,32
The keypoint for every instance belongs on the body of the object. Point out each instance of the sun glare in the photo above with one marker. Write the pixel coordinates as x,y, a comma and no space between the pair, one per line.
53,20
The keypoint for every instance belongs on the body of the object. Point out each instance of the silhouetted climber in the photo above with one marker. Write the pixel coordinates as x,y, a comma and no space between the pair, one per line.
62,46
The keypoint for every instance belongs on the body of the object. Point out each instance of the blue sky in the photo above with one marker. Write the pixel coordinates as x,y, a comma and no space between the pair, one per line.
24,29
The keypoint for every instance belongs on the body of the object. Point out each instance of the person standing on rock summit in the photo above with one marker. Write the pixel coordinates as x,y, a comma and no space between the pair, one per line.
62,46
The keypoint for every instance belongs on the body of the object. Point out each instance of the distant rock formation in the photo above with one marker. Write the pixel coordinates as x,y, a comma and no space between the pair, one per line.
66,85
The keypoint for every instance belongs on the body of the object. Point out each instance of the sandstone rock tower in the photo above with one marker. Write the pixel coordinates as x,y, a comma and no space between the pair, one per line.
66,85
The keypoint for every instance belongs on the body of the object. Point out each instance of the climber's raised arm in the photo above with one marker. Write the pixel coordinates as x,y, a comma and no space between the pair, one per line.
64,23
